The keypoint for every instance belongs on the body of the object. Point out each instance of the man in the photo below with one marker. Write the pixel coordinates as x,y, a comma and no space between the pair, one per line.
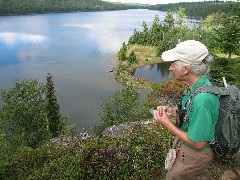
190,64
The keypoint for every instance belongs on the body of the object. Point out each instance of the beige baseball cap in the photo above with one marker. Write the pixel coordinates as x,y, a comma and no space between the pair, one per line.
190,51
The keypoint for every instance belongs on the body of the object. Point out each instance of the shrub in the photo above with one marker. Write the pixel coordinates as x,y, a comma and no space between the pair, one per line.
29,116
123,106
22,120
169,93
228,68
138,154
22,114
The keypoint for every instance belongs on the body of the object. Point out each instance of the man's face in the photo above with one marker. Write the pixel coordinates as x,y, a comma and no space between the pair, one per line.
177,72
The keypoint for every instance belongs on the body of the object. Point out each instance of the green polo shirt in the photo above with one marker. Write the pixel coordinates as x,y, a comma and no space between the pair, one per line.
203,115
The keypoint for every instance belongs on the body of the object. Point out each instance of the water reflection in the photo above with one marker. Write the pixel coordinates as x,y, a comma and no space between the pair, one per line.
19,47
154,73
11,39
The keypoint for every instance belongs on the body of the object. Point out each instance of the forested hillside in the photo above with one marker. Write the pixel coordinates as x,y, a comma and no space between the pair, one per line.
193,9
197,9
17,7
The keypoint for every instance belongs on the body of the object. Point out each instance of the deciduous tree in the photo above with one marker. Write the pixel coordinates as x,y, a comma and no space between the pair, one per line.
22,116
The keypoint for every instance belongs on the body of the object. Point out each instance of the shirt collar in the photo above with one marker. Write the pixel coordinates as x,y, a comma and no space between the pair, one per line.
200,81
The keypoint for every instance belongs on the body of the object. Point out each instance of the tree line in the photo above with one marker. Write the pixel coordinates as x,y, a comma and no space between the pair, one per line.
17,7
193,9
197,9
219,31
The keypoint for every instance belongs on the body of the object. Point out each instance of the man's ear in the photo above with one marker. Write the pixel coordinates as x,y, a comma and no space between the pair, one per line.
186,69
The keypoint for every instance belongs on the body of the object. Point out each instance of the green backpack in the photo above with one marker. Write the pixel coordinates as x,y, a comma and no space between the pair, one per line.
227,130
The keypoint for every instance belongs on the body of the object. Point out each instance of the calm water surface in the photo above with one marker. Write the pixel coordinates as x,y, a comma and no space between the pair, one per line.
78,49
155,73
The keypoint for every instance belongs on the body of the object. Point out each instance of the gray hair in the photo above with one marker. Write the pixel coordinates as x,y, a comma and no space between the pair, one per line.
200,69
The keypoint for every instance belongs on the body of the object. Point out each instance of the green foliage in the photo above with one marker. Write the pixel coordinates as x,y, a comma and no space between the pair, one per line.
29,116
169,20
228,68
235,9
139,37
56,123
168,92
132,58
122,54
193,9
220,33
4,154
22,114
174,31
214,19
139,154
123,106
30,112
22,119
228,35
26,160
167,34
17,7
181,14
155,32
173,36
197,9
149,36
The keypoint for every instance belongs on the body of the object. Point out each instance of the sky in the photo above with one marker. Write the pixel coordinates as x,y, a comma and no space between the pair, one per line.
153,2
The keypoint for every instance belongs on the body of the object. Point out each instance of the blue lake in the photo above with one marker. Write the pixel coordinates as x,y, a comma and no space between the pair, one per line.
78,49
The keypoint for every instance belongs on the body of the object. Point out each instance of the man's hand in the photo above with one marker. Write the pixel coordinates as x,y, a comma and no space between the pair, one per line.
162,115
169,111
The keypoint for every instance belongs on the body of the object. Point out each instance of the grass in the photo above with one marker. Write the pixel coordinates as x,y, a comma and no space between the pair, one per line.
145,55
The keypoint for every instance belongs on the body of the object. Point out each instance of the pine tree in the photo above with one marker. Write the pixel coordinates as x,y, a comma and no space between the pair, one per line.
132,58
229,35
122,52
53,114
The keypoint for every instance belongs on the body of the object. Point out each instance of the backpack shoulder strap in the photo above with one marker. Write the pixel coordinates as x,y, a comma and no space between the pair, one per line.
222,91
214,90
